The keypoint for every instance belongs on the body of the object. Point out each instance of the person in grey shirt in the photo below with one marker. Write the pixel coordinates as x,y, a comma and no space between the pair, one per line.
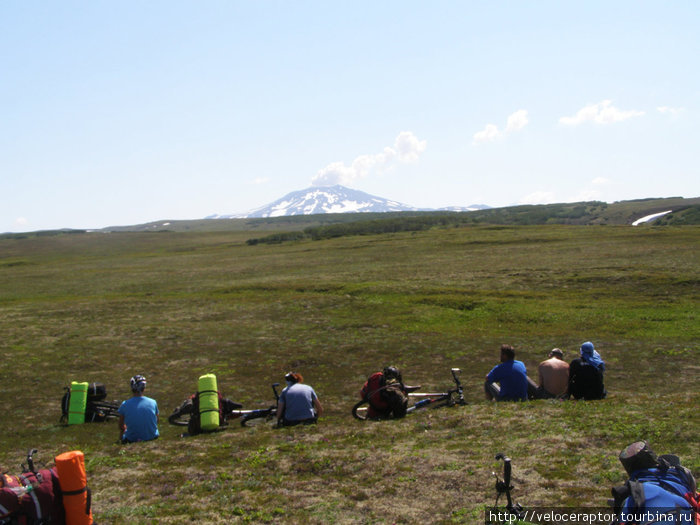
298,403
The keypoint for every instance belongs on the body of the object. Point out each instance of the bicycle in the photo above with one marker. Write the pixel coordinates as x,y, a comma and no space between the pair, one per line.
96,408
453,396
268,416
101,410
230,410
97,412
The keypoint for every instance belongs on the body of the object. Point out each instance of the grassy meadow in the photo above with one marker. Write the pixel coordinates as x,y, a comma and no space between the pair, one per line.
101,307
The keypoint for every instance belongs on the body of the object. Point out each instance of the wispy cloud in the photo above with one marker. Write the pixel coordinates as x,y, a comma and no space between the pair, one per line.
601,113
406,149
591,193
539,197
586,196
21,221
260,180
668,110
490,133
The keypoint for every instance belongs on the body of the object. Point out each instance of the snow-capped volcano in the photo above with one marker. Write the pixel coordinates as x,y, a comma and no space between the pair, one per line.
325,199
329,199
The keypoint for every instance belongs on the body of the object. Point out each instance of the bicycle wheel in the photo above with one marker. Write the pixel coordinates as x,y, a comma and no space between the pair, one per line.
105,408
181,415
258,418
175,420
359,411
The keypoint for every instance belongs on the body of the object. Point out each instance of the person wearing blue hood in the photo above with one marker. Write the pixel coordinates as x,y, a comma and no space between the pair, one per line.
586,374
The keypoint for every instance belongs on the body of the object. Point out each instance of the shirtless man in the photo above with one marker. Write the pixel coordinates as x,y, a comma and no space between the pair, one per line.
553,376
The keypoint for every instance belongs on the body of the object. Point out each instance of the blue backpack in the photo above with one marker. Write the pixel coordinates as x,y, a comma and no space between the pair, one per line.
663,494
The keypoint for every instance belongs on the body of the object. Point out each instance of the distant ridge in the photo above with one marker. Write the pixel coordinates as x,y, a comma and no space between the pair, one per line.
667,211
331,199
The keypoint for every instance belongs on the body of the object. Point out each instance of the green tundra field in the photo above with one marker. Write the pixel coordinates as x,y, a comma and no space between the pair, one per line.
101,307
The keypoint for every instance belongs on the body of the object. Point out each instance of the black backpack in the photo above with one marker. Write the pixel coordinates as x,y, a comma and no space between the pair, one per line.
96,408
585,381
396,398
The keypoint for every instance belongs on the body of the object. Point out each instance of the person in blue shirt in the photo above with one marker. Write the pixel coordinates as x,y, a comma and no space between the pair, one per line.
508,380
298,403
138,416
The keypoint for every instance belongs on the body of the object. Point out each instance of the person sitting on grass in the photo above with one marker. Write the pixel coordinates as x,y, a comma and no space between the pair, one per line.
512,376
553,375
586,374
138,416
298,403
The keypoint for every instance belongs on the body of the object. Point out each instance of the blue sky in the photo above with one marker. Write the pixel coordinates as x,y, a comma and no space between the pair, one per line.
115,113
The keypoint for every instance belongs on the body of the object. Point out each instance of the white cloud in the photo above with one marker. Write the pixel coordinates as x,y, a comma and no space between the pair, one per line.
668,110
601,113
408,146
600,181
516,122
406,149
260,180
539,197
21,221
489,133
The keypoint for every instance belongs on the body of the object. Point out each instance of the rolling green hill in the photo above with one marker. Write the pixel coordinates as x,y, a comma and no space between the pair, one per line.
174,305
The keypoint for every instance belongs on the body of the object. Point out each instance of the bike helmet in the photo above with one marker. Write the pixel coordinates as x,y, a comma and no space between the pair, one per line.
294,377
391,372
138,383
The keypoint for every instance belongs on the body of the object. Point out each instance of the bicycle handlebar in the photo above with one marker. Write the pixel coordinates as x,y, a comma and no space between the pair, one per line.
455,376
30,460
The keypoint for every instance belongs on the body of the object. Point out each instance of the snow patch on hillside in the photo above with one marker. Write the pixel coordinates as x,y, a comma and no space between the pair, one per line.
650,218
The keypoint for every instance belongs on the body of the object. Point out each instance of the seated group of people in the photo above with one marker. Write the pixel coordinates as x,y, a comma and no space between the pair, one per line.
580,379
387,394
298,404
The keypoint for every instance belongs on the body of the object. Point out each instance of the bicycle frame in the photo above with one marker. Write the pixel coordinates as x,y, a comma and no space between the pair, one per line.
248,415
181,417
429,398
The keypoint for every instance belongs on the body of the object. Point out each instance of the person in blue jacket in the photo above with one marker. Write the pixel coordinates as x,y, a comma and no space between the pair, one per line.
138,416
508,380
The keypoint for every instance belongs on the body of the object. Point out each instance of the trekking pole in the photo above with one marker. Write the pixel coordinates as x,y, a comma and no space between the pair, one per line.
504,487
